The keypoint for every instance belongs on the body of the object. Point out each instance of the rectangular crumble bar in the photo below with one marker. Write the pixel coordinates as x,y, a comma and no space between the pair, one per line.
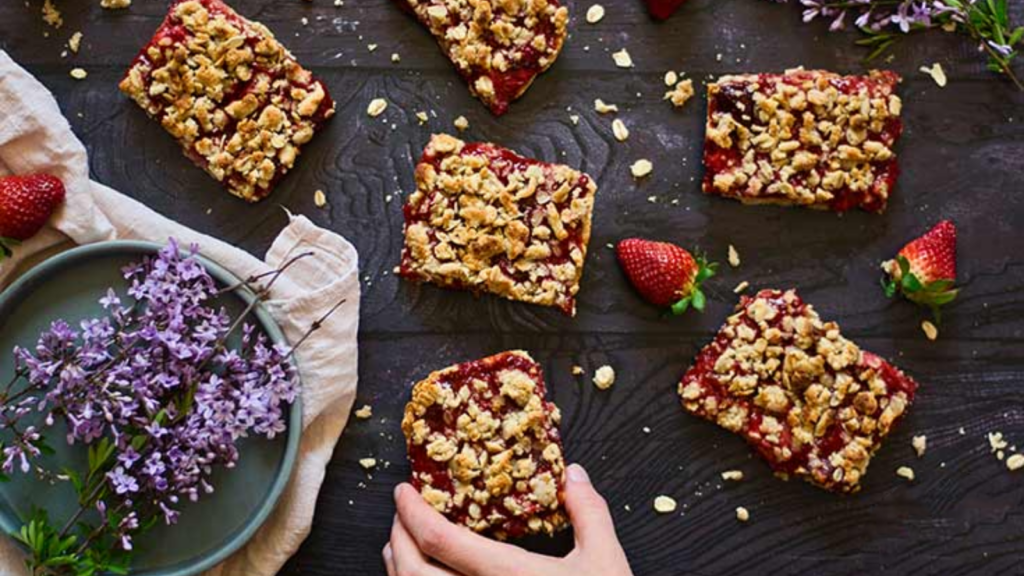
803,138
809,401
484,446
235,99
498,46
485,219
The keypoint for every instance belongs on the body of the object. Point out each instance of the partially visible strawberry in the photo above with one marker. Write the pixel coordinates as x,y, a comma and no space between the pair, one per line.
665,274
26,203
924,271
662,9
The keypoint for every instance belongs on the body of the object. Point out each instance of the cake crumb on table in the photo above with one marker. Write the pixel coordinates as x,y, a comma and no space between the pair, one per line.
365,413
368,463
377,107
742,514
641,168
734,257
734,475
595,13
664,504
920,444
905,472
604,378
681,94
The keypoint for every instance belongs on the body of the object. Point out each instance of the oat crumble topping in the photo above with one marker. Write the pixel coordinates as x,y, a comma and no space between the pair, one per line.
75,42
734,257
905,472
602,108
365,413
78,73
115,4
742,514
811,402
920,444
641,168
461,123
368,463
485,448
732,475
1015,462
376,107
595,13
498,46
622,59
485,219
930,330
808,138
51,15
235,99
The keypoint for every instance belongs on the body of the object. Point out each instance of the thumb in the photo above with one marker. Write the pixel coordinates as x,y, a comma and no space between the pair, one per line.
588,511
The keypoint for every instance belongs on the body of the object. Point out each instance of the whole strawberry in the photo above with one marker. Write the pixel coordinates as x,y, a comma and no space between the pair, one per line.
924,271
26,204
662,9
665,274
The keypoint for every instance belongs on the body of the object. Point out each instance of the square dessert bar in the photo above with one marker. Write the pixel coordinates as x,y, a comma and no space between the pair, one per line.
485,448
811,402
803,138
498,46
235,99
485,219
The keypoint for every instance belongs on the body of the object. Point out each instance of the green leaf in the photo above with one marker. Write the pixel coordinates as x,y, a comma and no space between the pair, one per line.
909,283
680,307
699,301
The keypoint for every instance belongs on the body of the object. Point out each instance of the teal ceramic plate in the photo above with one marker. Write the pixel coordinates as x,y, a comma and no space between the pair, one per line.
68,286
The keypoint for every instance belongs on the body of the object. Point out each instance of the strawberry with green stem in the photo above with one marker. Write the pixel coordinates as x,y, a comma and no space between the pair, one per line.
665,274
26,204
924,271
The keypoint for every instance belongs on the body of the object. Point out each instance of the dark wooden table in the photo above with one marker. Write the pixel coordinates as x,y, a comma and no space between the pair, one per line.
963,158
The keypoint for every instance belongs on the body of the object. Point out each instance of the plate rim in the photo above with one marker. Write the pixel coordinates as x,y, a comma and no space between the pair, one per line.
22,287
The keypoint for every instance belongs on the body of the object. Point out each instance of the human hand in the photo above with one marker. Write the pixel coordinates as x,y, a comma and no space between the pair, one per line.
425,543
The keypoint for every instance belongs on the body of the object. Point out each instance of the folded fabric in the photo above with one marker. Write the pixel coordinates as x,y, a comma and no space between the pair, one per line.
35,137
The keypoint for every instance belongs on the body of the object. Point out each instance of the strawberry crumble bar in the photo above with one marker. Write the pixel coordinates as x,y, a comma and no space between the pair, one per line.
804,138
485,448
235,99
498,46
811,402
485,219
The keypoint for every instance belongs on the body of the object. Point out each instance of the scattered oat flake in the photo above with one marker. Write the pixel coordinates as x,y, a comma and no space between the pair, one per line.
575,119
377,107
930,330
1015,462
681,94
622,59
619,130
368,463
664,504
920,444
742,514
51,15
671,78
604,377
422,117
461,123
75,42
595,13
905,472
79,73
365,413
937,74
734,475
603,108
371,47
996,441
115,4
578,370
319,198
641,168
741,287
734,256
395,57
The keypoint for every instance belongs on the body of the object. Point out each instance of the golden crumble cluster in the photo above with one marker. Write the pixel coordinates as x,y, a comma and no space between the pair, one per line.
236,100
488,220
498,46
806,138
811,402
485,448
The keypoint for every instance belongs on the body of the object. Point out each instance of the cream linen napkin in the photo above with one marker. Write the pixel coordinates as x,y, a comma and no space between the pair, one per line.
35,137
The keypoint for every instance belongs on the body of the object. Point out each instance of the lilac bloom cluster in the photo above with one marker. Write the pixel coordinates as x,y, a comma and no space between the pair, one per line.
157,380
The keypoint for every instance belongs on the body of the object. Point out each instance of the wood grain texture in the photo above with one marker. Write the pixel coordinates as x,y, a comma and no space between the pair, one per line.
962,157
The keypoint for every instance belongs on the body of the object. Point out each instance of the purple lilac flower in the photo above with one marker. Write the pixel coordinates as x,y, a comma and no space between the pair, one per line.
156,377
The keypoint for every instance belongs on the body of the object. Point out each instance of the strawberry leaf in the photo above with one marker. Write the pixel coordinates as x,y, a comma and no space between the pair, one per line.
682,306
699,300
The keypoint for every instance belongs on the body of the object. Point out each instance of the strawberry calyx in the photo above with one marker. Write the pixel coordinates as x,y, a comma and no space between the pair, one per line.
933,294
695,298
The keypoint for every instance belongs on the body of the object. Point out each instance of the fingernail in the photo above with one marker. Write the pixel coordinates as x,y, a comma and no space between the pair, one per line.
578,474
398,491
387,552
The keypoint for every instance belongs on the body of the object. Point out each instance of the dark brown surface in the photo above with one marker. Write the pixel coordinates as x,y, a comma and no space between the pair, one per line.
962,156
